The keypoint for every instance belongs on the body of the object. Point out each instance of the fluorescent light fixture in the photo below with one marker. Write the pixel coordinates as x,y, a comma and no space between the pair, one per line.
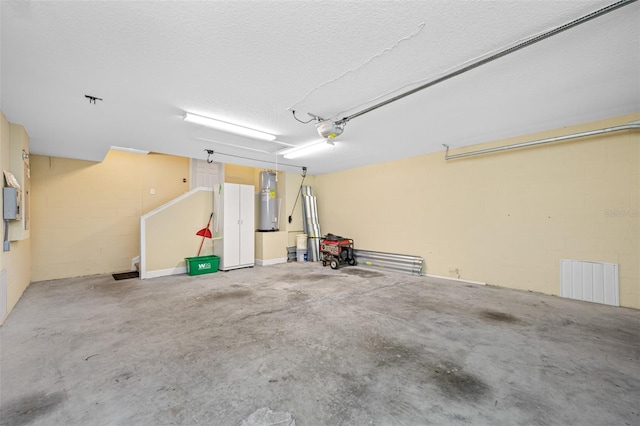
132,150
306,149
227,127
283,143
235,145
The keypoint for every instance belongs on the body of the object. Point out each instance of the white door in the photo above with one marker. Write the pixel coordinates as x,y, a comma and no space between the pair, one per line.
205,174
247,227
231,219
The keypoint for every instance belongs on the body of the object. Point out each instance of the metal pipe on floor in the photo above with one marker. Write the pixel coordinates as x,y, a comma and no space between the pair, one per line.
398,262
630,126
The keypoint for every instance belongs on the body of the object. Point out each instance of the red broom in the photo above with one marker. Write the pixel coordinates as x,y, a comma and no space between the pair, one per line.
204,233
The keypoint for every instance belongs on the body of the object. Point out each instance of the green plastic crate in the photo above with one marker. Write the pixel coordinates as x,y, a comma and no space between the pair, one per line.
202,264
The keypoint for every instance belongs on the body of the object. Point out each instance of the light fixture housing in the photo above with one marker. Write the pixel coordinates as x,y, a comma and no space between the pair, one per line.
329,129
228,127
307,149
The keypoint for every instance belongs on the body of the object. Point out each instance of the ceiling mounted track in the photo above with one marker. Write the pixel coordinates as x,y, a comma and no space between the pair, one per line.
211,152
630,126
491,58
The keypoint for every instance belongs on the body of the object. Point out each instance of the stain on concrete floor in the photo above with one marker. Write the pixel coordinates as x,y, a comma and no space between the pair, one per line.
303,277
362,273
499,316
25,410
454,382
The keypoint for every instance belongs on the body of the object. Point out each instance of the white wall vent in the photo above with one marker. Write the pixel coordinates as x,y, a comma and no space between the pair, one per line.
3,294
589,281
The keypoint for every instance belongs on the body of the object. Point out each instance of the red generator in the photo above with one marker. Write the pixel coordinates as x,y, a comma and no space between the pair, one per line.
336,251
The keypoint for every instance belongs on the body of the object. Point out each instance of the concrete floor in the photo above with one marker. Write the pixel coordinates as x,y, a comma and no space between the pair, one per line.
306,345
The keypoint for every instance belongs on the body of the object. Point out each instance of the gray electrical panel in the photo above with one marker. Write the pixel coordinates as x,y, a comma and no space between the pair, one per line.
11,203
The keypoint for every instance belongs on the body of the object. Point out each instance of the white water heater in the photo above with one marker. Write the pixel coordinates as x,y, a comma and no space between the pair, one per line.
268,202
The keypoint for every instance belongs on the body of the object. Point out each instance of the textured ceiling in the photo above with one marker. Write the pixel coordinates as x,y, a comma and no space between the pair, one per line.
252,62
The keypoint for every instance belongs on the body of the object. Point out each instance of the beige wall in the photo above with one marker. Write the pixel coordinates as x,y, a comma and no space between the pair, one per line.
241,174
17,261
166,174
85,215
271,245
505,218
171,232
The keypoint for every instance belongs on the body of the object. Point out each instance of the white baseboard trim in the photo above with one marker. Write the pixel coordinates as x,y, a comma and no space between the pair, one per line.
267,262
455,279
164,272
134,261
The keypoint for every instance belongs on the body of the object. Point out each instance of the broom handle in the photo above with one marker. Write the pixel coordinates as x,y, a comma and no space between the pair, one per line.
202,242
